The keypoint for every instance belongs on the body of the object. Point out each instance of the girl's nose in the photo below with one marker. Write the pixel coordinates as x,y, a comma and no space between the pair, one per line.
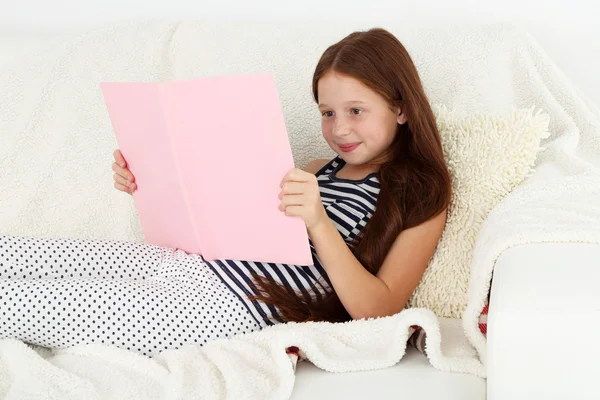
340,129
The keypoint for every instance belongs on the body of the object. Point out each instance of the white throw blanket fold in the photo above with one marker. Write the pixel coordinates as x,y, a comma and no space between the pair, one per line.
559,203
251,366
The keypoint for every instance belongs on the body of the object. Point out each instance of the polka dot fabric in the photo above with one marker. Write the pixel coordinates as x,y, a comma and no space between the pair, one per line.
63,292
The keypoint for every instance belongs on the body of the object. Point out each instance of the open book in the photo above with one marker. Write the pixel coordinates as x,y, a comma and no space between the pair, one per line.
208,156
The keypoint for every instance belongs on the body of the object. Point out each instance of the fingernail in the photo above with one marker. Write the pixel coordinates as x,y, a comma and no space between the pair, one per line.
122,165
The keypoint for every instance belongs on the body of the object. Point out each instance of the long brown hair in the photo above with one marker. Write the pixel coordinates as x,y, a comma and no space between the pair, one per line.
415,183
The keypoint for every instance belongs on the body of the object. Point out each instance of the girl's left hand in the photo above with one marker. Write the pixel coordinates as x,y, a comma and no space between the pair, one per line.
300,197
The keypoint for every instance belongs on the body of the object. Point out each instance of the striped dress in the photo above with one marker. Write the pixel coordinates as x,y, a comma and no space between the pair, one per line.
348,203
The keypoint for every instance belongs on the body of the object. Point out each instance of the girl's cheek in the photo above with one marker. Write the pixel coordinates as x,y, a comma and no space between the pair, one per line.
326,129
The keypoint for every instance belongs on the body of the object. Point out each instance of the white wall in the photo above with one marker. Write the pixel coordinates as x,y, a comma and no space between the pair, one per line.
568,30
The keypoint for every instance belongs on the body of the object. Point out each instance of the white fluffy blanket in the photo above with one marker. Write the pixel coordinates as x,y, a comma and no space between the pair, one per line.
57,184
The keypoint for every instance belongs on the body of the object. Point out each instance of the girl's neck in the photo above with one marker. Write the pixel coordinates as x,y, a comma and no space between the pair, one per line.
356,172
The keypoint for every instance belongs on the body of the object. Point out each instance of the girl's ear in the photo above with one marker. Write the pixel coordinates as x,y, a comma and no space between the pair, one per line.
401,116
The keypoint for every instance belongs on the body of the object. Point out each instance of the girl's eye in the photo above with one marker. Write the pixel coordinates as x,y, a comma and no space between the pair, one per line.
355,111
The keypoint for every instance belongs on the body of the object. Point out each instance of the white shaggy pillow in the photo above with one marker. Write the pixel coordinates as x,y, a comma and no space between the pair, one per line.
488,156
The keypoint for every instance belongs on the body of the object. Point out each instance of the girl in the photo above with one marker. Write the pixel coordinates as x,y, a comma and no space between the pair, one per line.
374,215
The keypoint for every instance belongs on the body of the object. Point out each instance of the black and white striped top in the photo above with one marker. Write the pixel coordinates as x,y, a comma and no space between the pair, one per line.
348,203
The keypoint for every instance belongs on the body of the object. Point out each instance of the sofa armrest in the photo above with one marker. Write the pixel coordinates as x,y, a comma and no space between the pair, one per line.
544,323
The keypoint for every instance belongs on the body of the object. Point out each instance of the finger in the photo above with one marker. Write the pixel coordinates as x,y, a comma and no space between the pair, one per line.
124,172
119,179
295,174
291,187
122,188
293,211
119,158
130,185
293,200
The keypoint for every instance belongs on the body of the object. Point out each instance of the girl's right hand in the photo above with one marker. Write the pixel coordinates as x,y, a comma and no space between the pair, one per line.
124,179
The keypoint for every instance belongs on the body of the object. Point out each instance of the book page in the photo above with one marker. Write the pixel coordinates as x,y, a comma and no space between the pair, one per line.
137,118
232,150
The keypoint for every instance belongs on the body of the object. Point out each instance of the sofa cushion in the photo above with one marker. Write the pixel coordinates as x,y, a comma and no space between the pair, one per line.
412,377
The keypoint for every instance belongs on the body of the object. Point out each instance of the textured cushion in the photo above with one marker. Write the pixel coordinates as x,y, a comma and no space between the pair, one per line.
488,156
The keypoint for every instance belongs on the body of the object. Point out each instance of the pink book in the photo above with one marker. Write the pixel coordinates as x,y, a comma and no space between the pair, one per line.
208,156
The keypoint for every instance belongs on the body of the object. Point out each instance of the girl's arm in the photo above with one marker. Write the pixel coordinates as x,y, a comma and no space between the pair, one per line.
363,294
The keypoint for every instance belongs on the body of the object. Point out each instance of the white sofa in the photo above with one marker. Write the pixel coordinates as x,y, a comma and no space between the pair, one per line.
535,287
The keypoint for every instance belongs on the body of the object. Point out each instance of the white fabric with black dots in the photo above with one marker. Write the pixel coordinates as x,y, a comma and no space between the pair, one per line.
59,293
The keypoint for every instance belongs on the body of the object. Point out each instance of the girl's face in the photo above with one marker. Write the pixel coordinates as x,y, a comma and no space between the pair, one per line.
357,122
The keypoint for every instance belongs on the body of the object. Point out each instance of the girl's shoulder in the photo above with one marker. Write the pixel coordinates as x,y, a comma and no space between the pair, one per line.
315,166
